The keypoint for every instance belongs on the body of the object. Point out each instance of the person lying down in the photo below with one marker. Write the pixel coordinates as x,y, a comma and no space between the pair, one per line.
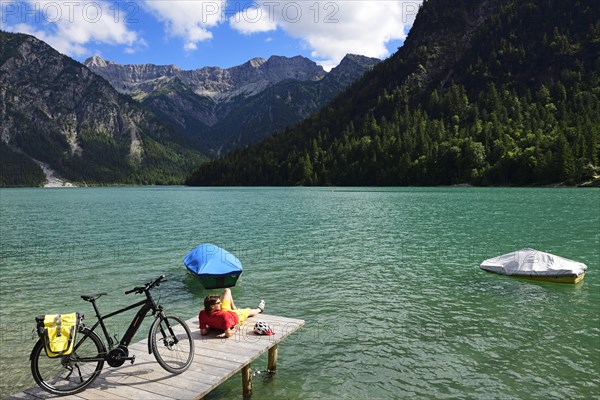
221,313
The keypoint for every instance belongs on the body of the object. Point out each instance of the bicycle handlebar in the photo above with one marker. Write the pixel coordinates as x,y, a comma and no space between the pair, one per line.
147,286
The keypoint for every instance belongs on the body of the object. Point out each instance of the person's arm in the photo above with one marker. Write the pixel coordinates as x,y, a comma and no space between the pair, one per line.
204,331
228,332
202,323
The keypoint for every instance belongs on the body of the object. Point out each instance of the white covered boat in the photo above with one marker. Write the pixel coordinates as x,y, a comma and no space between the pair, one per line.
534,264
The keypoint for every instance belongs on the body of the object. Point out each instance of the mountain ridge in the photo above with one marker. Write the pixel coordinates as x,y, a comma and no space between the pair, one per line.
214,82
234,107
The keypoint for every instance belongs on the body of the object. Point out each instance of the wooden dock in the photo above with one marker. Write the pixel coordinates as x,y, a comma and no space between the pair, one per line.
215,361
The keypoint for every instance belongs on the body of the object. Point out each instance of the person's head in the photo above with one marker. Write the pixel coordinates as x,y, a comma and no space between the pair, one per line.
212,303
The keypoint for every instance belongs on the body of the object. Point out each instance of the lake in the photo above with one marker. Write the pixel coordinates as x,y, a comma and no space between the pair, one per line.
387,279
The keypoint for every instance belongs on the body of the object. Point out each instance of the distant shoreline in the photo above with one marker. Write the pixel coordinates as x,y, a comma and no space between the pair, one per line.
69,185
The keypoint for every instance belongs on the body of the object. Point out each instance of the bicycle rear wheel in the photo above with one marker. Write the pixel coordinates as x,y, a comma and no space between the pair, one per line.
172,344
69,374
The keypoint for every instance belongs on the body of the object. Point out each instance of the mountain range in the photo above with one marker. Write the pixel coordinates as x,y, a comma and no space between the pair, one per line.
106,123
484,92
228,108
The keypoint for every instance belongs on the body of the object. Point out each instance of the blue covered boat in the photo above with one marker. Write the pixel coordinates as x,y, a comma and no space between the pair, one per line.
213,266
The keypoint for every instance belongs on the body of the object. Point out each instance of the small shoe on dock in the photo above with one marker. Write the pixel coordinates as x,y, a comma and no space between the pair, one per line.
261,305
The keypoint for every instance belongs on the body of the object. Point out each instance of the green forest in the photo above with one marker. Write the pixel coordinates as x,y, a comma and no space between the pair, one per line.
514,100
18,170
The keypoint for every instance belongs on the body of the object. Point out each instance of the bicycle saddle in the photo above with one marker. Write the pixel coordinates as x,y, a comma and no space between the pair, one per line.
92,297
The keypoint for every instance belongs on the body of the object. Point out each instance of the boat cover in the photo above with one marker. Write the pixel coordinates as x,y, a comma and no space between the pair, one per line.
531,262
208,259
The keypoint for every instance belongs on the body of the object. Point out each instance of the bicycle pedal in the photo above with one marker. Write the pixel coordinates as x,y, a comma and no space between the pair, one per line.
132,359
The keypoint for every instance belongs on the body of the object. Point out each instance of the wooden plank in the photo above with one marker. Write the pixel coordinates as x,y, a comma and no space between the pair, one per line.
215,361
110,388
155,386
21,396
97,393
38,393
25,396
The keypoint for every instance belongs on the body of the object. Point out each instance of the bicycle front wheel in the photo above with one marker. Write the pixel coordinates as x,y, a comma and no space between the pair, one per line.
172,344
69,374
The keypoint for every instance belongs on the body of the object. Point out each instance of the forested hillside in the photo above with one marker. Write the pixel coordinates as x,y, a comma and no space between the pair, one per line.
483,92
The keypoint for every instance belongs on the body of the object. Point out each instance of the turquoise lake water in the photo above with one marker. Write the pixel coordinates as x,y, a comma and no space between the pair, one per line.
387,279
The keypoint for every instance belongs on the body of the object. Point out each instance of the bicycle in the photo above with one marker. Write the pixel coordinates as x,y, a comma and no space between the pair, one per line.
171,345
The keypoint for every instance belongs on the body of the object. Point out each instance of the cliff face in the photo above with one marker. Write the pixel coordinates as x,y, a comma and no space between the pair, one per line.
228,108
55,110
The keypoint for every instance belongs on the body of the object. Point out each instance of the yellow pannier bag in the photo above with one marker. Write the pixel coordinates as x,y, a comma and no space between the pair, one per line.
58,332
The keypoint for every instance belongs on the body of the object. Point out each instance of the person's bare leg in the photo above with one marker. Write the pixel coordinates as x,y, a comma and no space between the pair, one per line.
227,295
253,311
258,310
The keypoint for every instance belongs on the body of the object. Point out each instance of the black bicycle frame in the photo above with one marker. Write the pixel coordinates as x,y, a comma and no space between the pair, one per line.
147,305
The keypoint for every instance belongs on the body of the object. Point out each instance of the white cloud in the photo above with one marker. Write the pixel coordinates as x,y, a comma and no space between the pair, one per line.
252,19
333,29
189,19
70,26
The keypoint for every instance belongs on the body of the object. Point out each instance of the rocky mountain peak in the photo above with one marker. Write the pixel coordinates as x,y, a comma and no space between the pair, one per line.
97,62
256,62
297,67
351,66
357,59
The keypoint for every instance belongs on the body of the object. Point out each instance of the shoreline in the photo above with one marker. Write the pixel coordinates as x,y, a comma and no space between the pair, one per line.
56,182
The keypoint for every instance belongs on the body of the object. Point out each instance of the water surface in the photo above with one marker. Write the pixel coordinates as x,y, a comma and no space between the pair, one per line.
386,279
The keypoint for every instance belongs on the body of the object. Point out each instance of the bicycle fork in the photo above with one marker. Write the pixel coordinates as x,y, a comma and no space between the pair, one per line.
167,336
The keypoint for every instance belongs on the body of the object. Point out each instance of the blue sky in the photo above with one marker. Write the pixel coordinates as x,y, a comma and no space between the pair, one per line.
224,33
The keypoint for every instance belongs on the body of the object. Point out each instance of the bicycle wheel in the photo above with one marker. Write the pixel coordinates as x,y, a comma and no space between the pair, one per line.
69,374
172,344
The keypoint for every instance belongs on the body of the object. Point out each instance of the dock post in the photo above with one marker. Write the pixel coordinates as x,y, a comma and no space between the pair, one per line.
272,365
247,380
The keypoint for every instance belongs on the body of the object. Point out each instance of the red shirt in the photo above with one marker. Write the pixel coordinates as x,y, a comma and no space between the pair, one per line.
218,319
